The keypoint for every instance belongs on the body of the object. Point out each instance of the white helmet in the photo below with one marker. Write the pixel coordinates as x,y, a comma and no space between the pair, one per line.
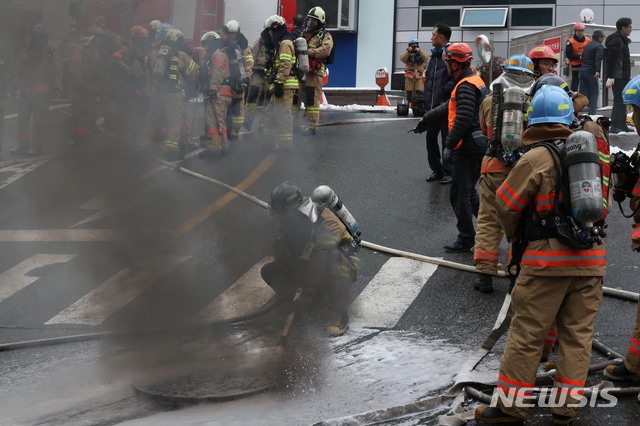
209,36
173,35
317,13
233,26
274,21
155,25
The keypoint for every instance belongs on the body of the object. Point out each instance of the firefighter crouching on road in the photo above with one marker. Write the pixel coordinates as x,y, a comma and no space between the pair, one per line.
128,86
37,76
518,72
313,252
320,47
415,59
218,93
258,89
283,84
169,69
465,144
630,369
557,280
236,112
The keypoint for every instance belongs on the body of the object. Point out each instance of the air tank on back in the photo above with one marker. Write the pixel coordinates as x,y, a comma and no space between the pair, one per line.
585,177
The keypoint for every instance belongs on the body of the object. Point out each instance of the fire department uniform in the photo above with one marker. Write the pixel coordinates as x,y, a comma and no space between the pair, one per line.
279,122
320,45
216,111
556,281
37,72
258,87
236,109
168,97
415,63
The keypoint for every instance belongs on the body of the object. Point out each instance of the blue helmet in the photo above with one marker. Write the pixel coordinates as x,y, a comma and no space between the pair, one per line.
412,40
550,104
162,32
631,92
519,62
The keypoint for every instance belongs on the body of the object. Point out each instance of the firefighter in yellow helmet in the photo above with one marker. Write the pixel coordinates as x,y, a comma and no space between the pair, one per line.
415,59
320,49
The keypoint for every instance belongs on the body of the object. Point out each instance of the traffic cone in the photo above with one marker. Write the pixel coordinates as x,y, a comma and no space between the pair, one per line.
381,99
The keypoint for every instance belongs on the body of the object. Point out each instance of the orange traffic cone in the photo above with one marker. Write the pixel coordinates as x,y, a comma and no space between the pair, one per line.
381,99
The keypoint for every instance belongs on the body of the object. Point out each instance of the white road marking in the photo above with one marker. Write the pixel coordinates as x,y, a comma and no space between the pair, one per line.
19,170
385,299
118,291
17,278
248,294
83,235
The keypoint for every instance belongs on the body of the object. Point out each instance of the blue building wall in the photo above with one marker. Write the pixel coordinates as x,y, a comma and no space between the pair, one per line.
342,73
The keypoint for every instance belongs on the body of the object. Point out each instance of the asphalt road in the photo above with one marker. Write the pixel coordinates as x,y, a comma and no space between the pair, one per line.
104,238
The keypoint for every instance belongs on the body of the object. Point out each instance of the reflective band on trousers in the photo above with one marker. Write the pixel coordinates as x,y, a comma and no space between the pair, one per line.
564,258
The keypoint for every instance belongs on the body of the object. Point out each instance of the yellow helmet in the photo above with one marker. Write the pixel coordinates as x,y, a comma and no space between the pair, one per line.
317,13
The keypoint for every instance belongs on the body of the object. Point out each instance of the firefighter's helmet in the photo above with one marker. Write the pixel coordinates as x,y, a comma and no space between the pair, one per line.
274,22
519,62
174,35
317,13
553,80
155,25
209,37
631,92
412,40
284,197
550,104
459,52
233,26
139,32
579,26
39,30
542,52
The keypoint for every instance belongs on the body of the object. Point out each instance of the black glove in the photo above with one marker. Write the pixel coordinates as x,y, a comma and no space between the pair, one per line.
446,154
422,125
212,95
278,89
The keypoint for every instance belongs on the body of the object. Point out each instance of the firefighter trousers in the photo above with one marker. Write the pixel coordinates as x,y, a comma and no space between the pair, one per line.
312,98
255,99
235,115
279,122
84,101
573,301
412,84
215,122
166,110
30,106
632,361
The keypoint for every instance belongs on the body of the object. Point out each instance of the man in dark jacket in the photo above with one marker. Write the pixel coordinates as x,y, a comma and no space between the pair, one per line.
618,72
465,144
437,89
590,69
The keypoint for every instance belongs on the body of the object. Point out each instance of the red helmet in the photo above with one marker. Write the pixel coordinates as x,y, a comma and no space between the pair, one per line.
579,26
459,52
138,31
542,52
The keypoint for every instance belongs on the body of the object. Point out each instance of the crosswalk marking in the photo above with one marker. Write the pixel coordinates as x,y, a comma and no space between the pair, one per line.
19,170
117,291
18,277
385,299
78,235
248,294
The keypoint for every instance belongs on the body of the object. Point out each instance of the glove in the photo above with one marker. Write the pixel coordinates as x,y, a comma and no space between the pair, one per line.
278,89
422,125
609,83
212,95
446,154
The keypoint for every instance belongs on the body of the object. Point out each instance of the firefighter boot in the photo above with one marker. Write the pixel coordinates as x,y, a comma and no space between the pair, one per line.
339,325
493,415
484,283
619,373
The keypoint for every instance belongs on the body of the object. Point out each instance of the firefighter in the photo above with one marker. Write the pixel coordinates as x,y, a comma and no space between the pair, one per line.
415,59
630,369
283,84
218,93
312,252
37,76
258,89
154,28
320,49
128,86
544,60
465,143
235,117
518,72
573,52
568,290
169,69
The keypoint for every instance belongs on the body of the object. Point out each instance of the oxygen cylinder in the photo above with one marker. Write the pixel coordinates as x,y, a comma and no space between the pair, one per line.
162,63
582,161
325,196
512,118
302,56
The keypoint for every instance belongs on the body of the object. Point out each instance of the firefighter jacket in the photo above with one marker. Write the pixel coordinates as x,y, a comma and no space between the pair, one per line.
219,73
127,72
527,195
37,71
618,56
574,49
284,64
415,62
248,60
316,252
180,68
493,161
320,45
438,84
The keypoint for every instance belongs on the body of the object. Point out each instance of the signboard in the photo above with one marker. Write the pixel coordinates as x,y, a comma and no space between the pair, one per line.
554,43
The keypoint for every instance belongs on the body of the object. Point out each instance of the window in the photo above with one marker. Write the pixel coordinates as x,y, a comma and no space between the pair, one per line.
340,14
484,17
430,17
532,17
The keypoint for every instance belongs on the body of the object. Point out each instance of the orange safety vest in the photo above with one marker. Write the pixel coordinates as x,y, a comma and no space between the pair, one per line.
577,47
477,81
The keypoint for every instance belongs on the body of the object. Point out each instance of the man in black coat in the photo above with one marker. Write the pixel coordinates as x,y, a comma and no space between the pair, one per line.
437,89
618,72
590,70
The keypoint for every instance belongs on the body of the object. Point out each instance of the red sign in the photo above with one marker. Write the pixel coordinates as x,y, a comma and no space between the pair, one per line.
554,44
